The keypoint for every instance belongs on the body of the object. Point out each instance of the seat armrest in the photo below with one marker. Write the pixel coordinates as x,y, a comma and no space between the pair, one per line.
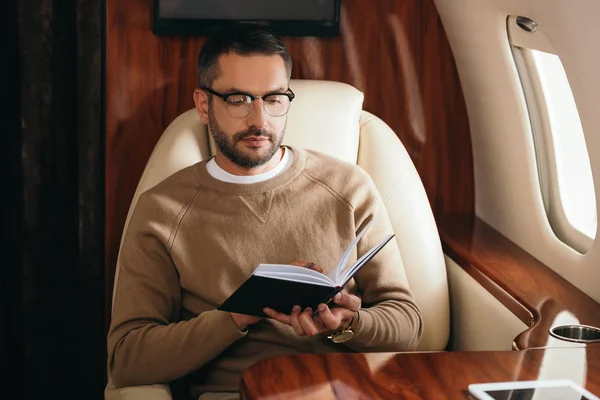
144,392
531,290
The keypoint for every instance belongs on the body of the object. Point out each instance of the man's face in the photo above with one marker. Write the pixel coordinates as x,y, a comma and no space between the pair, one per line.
251,141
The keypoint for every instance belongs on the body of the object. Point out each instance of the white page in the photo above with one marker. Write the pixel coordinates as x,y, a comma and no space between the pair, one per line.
293,273
299,278
362,260
334,274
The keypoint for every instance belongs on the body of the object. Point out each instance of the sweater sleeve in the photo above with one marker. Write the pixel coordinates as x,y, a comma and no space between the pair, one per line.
147,343
389,318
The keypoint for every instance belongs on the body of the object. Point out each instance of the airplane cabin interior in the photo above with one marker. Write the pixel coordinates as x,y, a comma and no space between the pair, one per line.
477,120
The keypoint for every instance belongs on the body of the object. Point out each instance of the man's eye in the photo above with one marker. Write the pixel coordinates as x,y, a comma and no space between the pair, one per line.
274,99
237,100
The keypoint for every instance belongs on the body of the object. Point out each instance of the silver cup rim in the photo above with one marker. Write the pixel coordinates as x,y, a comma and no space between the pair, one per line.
593,328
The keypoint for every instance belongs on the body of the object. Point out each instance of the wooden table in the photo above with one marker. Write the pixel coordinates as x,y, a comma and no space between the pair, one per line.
422,375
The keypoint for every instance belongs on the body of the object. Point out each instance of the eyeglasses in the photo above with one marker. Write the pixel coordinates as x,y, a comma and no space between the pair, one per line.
239,105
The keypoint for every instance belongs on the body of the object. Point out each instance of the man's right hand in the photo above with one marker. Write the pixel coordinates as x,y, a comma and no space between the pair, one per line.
243,321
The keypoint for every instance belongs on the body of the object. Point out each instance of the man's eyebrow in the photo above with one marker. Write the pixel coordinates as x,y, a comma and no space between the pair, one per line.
278,89
234,90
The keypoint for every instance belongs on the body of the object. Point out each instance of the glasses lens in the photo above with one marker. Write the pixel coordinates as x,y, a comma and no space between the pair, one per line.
277,105
239,105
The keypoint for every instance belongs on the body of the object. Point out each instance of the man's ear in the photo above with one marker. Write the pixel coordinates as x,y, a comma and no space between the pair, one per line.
201,102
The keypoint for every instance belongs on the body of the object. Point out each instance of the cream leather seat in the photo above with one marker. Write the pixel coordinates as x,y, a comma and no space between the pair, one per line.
328,117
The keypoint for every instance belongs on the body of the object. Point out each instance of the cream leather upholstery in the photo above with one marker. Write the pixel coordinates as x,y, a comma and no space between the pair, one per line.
328,117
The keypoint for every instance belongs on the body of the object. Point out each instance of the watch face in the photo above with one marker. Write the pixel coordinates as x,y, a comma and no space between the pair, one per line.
342,336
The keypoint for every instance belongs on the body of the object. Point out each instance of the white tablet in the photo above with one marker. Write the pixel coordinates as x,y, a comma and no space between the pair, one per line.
557,389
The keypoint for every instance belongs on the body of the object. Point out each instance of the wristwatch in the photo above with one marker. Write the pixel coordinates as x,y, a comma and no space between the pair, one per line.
344,334
341,336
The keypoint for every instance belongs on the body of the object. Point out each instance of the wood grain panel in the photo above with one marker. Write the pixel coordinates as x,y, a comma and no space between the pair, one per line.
530,289
54,268
11,288
412,376
396,52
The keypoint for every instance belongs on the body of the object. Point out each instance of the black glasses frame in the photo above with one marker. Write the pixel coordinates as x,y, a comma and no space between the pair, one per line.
225,96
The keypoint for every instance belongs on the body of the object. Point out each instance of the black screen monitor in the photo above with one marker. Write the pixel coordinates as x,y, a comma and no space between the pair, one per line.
283,17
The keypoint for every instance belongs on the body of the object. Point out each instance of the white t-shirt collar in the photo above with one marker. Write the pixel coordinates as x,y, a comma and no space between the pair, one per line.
219,173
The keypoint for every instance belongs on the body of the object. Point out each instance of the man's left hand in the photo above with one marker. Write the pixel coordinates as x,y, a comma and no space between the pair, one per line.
328,319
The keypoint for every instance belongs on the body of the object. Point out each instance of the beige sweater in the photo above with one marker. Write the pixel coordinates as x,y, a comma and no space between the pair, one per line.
193,240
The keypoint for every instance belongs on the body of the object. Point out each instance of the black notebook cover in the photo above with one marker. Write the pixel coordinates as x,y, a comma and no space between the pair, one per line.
281,295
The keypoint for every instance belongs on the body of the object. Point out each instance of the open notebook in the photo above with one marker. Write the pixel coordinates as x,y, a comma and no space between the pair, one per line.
281,286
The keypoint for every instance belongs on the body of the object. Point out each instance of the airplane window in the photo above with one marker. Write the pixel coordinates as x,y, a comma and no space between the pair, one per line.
563,160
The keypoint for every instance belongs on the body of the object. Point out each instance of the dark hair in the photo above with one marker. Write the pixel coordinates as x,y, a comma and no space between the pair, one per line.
241,38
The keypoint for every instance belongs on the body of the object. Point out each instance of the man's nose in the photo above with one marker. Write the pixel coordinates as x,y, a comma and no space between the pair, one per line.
257,117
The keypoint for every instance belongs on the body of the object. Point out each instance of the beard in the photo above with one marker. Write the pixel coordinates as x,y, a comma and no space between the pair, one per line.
250,158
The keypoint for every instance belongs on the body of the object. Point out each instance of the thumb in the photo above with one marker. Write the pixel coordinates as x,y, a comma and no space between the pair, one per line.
347,300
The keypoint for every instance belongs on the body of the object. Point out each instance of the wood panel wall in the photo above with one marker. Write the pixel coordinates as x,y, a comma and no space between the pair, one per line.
396,52
11,288
52,274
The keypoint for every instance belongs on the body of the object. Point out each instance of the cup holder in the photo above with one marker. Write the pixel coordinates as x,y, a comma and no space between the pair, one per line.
576,333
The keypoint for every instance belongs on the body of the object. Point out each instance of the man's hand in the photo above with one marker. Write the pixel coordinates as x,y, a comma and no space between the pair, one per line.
243,321
307,264
329,319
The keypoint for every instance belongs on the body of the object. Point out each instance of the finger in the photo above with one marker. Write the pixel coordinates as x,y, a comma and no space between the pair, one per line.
300,263
306,320
315,267
295,322
307,264
318,322
330,321
347,300
343,315
277,316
